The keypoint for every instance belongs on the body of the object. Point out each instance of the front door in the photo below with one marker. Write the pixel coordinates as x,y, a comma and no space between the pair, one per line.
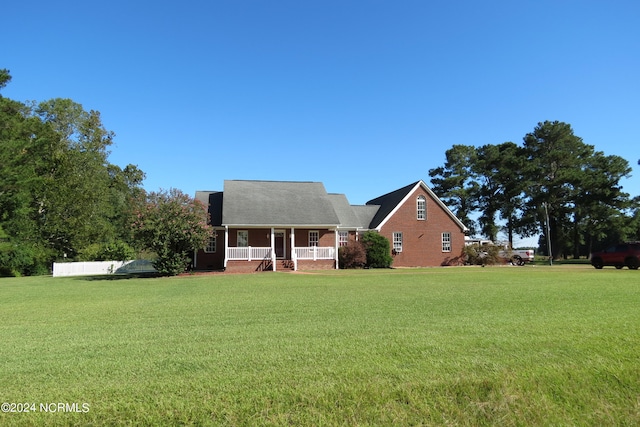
279,243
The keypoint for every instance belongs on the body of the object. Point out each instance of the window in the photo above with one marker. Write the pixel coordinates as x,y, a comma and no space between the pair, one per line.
314,238
211,244
397,241
243,238
446,242
343,238
421,208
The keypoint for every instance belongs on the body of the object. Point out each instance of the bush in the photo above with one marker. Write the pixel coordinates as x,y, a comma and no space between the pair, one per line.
172,225
170,263
90,253
118,251
23,260
353,255
482,254
378,250
113,251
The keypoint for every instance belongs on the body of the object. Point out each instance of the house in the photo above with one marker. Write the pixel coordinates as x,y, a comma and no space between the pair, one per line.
274,225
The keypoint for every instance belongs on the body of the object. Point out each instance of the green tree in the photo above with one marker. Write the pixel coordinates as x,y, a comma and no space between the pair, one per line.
499,171
80,195
456,183
601,205
58,192
23,250
173,225
125,191
378,250
561,168
634,219
5,77
554,168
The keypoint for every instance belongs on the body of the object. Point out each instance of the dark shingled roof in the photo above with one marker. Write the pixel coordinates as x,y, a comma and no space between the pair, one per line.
365,214
293,203
213,200
277,203
388,202
346,213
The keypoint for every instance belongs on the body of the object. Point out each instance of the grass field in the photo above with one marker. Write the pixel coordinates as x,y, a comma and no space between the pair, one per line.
447,346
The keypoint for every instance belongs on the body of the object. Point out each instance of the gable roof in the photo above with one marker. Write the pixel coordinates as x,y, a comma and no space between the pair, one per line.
365,214
296,203
346,212
213,200
277,203
389,203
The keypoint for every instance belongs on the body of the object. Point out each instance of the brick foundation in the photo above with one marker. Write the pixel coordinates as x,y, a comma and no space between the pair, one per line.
248,266
321,264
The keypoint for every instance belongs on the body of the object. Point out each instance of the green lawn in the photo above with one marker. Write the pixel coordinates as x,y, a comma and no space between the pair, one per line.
532,345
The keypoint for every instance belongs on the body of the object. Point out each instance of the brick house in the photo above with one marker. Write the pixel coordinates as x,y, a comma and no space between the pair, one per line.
274,225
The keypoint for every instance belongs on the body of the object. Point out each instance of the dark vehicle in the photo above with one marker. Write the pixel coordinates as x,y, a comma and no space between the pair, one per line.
618,256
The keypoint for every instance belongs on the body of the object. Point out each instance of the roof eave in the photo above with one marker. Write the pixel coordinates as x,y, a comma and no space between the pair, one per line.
282,225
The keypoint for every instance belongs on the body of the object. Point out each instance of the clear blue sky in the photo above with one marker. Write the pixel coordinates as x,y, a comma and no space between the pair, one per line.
365,96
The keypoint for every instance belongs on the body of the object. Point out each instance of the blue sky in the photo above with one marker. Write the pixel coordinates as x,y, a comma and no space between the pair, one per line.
365,96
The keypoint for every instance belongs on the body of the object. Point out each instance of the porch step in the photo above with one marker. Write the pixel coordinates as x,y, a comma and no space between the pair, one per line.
286,264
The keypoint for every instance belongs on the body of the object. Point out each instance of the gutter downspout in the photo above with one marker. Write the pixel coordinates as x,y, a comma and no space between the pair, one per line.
336,242
294,258
226,244
195,258
273,248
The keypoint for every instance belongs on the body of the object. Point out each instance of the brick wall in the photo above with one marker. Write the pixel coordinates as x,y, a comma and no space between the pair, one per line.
210,261
422,239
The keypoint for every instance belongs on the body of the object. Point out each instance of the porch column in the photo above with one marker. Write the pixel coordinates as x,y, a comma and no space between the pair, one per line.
336,243
226,244
273,248
293,249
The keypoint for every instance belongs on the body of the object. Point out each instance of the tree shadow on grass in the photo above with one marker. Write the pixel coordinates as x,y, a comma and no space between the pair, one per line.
108,277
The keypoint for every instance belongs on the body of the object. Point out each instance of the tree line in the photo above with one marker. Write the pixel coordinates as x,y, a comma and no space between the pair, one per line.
553,175
61,199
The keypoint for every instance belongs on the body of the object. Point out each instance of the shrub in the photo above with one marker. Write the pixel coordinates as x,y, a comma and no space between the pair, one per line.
23,260
482,254
378,250
89,253
112,251
170,263
353,255
117,251
172,225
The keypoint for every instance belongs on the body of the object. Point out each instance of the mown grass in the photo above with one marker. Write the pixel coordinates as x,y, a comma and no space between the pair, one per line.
449,346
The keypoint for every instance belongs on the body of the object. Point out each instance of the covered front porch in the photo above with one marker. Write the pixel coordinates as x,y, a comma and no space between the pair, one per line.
280,248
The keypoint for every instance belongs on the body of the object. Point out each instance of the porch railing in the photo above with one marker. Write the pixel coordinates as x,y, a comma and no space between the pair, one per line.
248,253
315,252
